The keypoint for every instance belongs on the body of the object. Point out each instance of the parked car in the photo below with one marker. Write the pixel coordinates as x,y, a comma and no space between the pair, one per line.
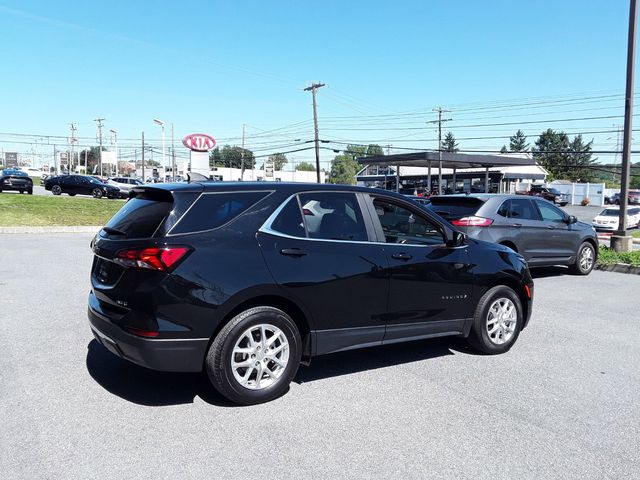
538,230
634,197
125,183
551,194
612,200
419,199
17,180
231,277
80,185
608,219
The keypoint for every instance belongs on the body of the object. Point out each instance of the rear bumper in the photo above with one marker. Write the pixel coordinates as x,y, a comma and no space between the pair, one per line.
168,355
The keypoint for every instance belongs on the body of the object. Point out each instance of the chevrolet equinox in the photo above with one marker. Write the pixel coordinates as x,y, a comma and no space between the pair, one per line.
248,280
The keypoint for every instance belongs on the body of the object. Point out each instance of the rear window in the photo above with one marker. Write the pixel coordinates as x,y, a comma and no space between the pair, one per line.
455,207
138,218
213,210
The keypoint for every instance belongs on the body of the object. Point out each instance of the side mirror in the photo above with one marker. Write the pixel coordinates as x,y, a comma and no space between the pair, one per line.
455,238
571,219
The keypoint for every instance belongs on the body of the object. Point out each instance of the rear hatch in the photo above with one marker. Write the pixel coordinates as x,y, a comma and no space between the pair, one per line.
136,235
452,207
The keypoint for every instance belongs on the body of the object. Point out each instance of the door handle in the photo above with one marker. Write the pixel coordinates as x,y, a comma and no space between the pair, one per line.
293,252
517,225
401,256
551,227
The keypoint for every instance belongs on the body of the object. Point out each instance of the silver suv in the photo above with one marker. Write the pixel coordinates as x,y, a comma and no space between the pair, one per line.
535,228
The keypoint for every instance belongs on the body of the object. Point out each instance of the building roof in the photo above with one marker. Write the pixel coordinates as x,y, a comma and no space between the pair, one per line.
449,160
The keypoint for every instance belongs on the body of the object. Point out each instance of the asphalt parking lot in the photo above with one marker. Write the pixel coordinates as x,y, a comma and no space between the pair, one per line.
561,404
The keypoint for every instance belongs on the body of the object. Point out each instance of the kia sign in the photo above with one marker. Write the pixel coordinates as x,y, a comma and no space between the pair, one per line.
199,142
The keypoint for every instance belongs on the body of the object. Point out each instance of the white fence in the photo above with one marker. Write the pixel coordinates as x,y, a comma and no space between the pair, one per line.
595,192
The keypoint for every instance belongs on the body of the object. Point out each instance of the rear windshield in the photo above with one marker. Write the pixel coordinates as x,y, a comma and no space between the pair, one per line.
455,207
138,218
213,210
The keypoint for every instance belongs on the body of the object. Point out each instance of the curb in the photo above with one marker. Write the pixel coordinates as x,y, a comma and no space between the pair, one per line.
619,268
54,229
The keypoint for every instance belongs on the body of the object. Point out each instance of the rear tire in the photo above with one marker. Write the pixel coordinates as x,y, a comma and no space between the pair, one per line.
244,366
497,321
56,190
585,260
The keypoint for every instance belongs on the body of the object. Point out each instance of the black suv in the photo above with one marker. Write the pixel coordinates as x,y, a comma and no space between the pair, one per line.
11,179
246,280
80,185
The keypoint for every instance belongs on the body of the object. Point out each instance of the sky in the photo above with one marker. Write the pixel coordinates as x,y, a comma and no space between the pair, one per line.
212,67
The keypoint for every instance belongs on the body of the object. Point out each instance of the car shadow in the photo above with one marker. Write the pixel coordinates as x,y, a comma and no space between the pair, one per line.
148,387
152,388
354,361
543,272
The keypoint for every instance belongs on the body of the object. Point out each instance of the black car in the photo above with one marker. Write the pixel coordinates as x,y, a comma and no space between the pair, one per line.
17,180
533,227
246,280
80,185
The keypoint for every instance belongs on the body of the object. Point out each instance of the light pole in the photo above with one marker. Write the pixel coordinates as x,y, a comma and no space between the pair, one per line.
161,123
115,138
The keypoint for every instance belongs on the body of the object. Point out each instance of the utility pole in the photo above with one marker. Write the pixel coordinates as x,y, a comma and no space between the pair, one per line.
99,122
72,141
143,177
620,241
173,156
440,110
313,88
242,154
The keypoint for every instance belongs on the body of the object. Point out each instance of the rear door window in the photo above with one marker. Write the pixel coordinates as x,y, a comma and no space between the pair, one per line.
333,216
289,221
522,209
212,210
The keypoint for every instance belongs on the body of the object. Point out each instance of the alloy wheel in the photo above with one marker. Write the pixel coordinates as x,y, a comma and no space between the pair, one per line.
501,321
260,356
586,259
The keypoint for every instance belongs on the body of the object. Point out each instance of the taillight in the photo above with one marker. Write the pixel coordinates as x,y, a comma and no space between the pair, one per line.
472,221
161,259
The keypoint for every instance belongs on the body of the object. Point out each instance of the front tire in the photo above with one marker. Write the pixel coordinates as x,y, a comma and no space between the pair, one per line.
585,260
255,356
497,321
97,193
56,190
30,191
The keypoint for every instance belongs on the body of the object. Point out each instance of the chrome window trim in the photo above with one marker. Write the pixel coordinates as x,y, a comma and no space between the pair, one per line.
266,228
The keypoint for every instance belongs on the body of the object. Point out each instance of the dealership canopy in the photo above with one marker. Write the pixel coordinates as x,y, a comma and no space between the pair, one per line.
449,161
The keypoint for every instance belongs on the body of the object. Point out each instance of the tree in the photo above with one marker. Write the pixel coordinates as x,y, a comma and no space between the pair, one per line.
504,149
564,158
344,169
518,142
449,143
92,157
306,167
232,157
279,160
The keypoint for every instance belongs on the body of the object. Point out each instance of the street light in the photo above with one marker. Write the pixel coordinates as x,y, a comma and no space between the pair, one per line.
161,123
115,137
